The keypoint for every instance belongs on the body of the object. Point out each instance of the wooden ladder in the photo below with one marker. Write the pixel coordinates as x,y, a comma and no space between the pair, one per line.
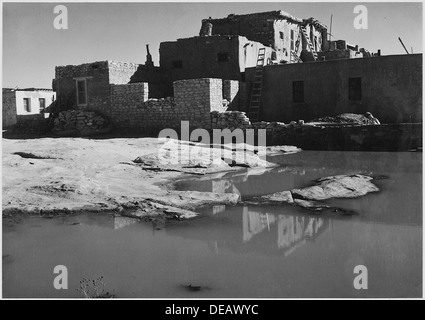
295,58
254,105
313,51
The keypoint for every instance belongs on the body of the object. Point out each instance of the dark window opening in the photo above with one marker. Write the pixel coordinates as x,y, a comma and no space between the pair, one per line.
27,104
178,64
355,89
292,40
298,91
223,57
42,102
243,77
82,92
281,34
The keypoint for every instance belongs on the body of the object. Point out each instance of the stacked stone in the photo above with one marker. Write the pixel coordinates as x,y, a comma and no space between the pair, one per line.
79,122
196,98
230,119
159,114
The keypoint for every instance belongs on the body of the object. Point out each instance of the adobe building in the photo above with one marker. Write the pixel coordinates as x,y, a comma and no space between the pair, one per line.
390,87
226,47
217,56
276,29
304,75
24,102
106,88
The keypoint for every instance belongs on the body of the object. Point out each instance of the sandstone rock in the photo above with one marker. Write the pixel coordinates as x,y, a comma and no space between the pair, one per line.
278,197
341,186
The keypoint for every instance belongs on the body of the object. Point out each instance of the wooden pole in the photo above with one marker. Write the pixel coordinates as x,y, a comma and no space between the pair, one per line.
330,30
403,45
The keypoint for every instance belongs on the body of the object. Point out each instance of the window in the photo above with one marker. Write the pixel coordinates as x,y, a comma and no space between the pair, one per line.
292,40
27,104
298,91
355,89
81,92
42,103
281,35
177,64
223,57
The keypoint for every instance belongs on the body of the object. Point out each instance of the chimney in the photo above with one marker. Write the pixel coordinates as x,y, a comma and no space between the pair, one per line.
149,61
206,29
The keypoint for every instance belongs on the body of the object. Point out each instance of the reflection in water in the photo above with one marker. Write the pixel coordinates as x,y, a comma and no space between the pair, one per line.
299,254
292,230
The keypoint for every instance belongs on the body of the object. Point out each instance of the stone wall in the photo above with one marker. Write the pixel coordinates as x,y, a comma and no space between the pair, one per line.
394,137
80,123
230,120
8,108
196,98
131,110
31,124
97,76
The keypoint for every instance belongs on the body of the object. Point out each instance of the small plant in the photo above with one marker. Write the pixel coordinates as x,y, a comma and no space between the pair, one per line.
93,289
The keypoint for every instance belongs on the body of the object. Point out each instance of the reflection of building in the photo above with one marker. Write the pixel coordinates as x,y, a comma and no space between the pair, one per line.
292,231
107,221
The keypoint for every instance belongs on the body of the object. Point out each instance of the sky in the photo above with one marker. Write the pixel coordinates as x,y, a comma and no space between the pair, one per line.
32,47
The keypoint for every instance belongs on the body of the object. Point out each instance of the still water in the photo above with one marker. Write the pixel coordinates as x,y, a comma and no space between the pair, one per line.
242,251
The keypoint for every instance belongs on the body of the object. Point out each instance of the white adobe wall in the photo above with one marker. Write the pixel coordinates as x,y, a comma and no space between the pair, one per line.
50,96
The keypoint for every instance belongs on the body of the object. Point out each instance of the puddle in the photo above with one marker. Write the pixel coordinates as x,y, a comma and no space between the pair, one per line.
241,251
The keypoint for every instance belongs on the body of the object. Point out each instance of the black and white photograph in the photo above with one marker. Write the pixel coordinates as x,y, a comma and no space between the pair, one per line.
210,151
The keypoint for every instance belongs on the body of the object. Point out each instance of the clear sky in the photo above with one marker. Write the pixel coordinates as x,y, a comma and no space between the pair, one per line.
32,47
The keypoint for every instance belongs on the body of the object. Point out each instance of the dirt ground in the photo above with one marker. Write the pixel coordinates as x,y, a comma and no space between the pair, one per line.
62,175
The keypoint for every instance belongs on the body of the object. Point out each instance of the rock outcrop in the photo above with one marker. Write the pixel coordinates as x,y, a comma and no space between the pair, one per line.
341,186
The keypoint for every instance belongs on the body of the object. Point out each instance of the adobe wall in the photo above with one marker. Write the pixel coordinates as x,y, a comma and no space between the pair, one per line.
199,58
33,96
391,88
